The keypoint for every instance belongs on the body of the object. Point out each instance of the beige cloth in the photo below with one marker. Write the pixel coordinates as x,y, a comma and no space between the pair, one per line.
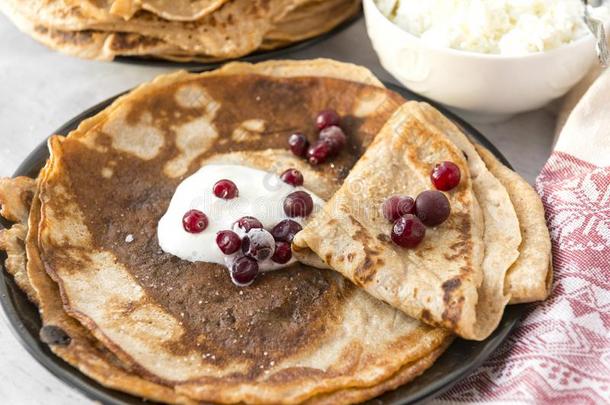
586,110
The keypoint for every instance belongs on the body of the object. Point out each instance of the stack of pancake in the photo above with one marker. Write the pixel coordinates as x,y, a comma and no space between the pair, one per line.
180,30
356,317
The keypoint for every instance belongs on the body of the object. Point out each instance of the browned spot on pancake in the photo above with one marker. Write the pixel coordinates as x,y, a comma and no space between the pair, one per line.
449,287
282,309
328,257
365,272
27,196
361,235
124,41
383,237
71,37
130,307
452,313
350,257
426,316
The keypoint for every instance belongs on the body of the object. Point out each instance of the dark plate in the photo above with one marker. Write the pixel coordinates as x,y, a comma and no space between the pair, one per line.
457,362
257,56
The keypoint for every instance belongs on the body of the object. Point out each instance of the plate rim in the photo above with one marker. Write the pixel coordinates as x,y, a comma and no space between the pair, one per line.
92,389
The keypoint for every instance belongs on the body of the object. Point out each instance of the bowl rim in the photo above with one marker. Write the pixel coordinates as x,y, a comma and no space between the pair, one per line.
588,37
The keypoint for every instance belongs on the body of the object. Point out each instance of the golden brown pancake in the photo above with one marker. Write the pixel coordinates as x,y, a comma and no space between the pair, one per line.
530,277
294,334
455,277
215,30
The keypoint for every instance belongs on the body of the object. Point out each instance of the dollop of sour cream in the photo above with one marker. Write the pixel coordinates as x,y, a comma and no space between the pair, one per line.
261,195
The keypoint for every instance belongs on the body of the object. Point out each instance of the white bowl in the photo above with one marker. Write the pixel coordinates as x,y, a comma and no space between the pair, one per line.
485,87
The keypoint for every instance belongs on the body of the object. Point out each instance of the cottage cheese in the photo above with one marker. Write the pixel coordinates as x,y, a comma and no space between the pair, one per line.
506,27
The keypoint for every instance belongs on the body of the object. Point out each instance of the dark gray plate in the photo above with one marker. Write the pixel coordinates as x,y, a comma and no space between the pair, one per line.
457,362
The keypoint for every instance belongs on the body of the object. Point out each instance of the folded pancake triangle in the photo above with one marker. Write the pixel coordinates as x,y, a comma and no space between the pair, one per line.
455,278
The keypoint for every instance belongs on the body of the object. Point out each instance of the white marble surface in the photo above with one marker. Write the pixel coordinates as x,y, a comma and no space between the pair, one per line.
40,90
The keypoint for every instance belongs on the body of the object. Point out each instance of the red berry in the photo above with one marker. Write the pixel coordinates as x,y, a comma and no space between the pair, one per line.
243,271
326,118
298,204
225,189
298,144
397,206
335,137
445,176
285,230
292,177
408,231
282,253
194,221
258,244
247,223
432,207
228,242
319,152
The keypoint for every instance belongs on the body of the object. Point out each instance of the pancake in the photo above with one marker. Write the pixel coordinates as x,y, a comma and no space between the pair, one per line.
530,277
215,34
297,334
15,198
455,278
299,25
225,29
351,236
94,360
175,10
90,44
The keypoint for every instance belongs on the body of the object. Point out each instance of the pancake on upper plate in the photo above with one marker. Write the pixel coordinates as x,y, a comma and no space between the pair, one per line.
298,334
199,30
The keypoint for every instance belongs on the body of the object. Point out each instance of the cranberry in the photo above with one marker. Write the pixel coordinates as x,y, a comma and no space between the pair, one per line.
298,144
247,223
228,242
397,206
298,204
335,137
258,244
445,176
432,207
292,177
282,253
408,231
225,189
243,271
319,152
326,118
194,221
285,230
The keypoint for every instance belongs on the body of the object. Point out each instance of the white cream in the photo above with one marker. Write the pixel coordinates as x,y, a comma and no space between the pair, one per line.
506,27
261,195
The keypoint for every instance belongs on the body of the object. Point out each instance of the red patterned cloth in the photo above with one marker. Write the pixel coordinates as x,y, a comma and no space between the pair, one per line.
560,352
